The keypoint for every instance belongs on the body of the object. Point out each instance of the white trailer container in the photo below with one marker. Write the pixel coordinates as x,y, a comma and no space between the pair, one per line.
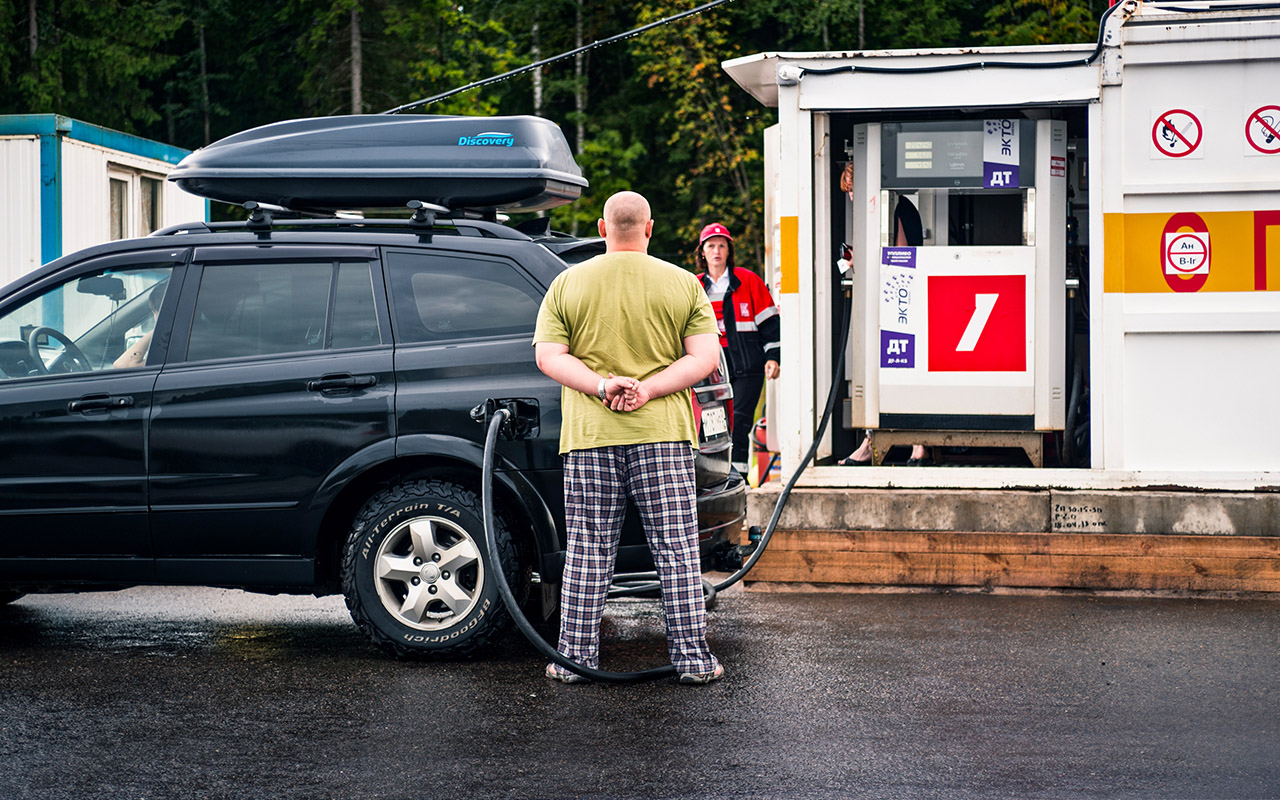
1113,285
67,185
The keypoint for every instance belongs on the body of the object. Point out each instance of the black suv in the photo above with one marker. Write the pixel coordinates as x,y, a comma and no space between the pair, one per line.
283,406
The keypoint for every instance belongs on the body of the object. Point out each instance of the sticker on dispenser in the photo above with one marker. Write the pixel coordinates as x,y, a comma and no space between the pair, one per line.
897,350
898,257
977,323
1176,133
1262,130
900,321
1000,154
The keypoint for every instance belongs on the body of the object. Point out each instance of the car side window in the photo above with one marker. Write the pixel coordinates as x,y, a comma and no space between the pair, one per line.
440,298
282,307
98,321
355,322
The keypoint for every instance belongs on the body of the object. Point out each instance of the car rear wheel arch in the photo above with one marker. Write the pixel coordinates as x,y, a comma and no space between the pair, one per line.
525,514
417,576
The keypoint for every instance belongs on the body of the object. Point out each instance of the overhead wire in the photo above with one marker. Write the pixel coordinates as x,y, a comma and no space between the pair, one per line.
561,57
1075,62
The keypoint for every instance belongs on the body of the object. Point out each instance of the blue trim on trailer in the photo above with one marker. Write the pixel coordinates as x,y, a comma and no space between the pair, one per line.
50,196
51,213
56,124
126,143
33,124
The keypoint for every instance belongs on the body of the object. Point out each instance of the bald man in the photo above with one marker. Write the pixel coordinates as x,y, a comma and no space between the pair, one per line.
626,335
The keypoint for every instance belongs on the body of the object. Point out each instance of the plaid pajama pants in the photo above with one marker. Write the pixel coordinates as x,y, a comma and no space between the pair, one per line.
659,478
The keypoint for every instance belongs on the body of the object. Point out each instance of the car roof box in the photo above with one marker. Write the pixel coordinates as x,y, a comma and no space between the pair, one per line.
520,163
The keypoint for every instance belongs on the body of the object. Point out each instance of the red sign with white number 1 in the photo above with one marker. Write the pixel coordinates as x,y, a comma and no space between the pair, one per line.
977,323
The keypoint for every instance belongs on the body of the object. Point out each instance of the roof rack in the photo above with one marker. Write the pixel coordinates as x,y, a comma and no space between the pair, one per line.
264,218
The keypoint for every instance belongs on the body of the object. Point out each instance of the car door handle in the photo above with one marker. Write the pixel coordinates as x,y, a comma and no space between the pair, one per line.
99,402
329,383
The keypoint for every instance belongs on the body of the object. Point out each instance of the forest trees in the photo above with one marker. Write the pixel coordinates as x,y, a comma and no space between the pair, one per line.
94,60
654,113
713,129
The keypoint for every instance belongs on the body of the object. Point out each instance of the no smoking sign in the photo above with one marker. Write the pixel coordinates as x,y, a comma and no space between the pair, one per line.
1262,130
1186,253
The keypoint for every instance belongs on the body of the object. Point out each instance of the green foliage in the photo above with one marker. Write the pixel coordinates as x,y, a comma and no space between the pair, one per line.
410,49
186,104
8,43
919,24
447,47
1023,22
833,25
661,116
324,45
713,129
610,164
94,59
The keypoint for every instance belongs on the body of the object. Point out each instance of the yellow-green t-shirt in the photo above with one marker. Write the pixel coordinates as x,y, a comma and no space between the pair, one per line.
626,313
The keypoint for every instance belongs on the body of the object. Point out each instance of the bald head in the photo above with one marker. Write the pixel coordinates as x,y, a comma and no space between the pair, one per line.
627,223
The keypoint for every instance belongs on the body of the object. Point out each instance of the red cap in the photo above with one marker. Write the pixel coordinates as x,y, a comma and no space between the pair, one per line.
714,229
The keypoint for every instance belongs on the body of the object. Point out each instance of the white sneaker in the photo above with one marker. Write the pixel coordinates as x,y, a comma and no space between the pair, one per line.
555,673
696,679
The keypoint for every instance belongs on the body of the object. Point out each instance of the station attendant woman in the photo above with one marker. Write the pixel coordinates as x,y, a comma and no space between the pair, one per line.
749,329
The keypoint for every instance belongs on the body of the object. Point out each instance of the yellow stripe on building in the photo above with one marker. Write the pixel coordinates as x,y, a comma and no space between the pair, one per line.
790,255
1243,251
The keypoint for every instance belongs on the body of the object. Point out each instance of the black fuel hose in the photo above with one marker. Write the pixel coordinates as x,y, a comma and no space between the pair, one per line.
605,676
837,375
522,622
634,586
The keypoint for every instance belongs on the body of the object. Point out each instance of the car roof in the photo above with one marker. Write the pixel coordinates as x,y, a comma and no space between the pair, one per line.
545,255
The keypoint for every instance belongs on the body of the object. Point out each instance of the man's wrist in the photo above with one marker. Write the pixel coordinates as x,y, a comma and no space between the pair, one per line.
600,389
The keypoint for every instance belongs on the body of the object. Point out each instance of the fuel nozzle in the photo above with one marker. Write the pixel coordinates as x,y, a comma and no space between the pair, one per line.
522,422
845,262
753,542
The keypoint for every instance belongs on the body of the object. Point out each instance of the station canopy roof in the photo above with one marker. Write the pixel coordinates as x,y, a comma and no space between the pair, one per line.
927,78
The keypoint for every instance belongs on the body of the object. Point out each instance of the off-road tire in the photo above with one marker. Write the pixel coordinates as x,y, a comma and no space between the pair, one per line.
424,541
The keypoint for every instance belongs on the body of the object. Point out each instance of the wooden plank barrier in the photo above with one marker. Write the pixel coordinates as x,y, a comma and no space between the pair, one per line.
1025,560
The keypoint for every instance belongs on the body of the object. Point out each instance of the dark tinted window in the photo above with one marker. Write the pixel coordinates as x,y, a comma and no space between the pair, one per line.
355,323
261,309
438,298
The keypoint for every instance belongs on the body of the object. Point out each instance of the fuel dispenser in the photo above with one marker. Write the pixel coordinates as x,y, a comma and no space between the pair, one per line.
959,338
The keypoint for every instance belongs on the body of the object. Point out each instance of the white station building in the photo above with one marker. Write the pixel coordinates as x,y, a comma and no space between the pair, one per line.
1093,288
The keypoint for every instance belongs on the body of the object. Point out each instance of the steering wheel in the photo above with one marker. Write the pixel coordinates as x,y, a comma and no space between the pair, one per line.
71,360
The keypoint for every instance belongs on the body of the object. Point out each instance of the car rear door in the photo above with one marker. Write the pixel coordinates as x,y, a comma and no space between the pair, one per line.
464,331
282,373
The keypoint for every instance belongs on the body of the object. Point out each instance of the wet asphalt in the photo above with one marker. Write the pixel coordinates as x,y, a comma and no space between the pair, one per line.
206,693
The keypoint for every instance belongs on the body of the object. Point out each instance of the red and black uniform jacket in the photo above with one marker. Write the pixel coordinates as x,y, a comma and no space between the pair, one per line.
750,335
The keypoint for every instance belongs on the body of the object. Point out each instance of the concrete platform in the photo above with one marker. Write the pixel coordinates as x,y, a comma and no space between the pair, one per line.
1195,541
